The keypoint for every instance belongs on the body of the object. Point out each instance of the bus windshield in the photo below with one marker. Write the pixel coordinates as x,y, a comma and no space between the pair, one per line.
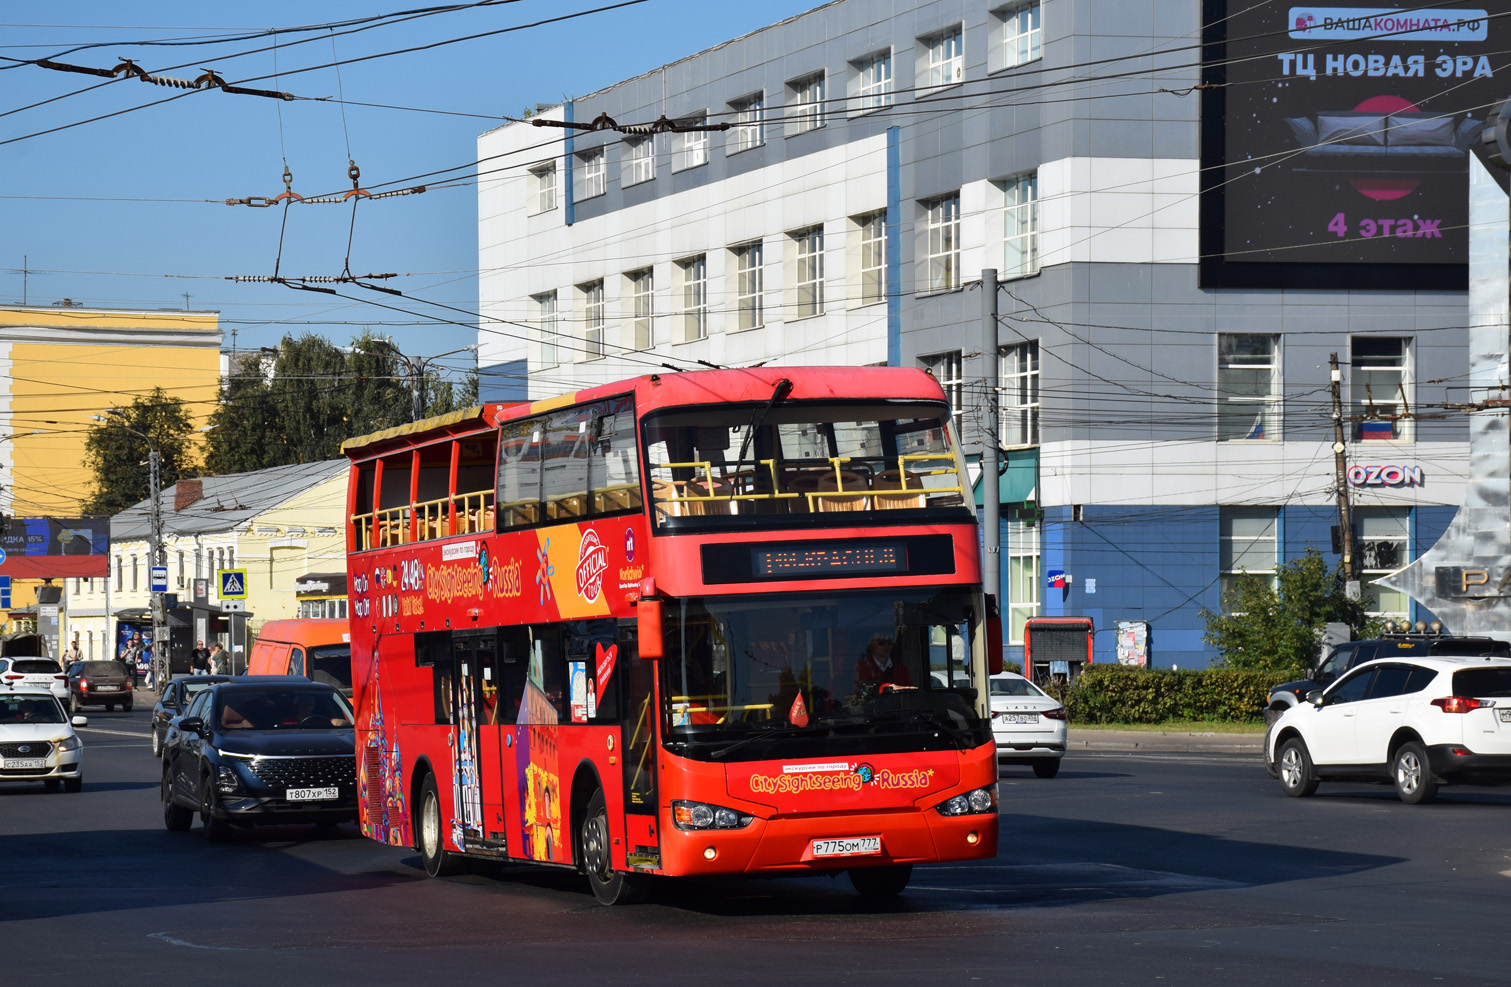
799,458
750,678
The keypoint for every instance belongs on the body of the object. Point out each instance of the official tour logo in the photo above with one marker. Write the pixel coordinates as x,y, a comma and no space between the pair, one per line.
592,563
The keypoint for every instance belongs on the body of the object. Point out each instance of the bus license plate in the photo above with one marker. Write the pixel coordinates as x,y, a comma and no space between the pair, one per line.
311,794
849,846
23,762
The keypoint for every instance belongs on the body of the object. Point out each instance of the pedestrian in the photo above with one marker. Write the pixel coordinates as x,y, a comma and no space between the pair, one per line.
220,662
199,659
72,653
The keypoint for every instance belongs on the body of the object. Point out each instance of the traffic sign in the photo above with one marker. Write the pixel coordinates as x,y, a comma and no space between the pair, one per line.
159,579
2,556
233,583
233,606
4,590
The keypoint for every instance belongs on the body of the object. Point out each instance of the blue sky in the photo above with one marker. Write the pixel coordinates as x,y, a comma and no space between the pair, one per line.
129,211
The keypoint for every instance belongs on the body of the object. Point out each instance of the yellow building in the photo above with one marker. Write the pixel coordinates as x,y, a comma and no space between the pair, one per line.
61,364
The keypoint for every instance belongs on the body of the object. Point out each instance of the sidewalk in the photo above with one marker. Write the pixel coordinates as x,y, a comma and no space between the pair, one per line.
1165,741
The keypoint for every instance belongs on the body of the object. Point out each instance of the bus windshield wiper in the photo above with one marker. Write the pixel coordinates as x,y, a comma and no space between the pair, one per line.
786,731
778,395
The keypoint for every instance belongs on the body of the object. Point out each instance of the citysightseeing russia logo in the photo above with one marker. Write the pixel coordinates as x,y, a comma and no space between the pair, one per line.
592,563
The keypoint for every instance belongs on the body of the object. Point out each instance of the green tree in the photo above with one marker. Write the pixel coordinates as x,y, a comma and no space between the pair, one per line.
246,433
377,393
116,456
1279,626
443,395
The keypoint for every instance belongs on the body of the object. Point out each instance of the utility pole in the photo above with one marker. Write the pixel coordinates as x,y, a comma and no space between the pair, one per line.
160,663
1340,478
991,574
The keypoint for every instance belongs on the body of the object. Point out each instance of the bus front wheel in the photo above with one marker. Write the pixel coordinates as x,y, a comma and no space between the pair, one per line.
430,833
610,887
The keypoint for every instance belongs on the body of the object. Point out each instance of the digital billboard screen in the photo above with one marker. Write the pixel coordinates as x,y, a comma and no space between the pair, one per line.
1335,141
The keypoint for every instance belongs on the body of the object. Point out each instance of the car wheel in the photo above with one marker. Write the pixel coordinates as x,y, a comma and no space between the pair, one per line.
1412,774
75,784
881,882
610,886
52,784
216,830
74,706
1296,769
175,817
1047,768
110,707
126,705
428,828
157,743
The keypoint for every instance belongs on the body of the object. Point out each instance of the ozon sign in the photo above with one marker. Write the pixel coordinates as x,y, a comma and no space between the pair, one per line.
1385,476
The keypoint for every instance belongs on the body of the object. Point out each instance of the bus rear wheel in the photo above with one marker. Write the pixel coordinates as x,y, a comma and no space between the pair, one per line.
881,882
610,887
429,833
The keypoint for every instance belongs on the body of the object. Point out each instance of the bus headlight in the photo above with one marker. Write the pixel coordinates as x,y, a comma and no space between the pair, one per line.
971,803
699,815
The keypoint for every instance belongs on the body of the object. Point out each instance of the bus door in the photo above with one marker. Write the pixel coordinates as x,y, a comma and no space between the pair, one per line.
475,739
637,681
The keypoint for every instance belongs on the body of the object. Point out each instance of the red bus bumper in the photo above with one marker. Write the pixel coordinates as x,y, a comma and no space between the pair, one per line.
909,836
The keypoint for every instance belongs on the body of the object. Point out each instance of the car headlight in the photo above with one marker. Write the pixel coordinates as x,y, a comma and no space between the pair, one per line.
70,743
225,778
700,815
971,803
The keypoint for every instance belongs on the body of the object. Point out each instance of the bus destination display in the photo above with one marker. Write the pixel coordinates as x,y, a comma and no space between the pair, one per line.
804,560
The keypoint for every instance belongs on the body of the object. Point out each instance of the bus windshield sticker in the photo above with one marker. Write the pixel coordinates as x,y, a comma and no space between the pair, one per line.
605,659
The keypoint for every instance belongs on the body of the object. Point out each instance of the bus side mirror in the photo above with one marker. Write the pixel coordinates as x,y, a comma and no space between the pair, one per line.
648,627
993,635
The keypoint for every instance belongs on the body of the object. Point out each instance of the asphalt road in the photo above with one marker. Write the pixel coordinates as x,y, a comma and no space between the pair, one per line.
1131,867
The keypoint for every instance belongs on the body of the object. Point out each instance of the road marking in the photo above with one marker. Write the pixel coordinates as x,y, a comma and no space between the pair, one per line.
194,945
114,733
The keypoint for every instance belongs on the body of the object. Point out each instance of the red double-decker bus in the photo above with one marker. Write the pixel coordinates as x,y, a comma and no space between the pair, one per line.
721,622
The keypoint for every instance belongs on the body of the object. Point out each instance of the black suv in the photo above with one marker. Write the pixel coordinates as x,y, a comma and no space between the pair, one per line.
99,683
1351,653
174,700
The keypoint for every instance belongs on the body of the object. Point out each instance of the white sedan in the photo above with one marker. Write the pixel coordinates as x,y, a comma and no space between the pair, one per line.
34,673
37,742
1029,725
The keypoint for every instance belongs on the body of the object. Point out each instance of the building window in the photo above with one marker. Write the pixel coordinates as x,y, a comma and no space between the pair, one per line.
750,122
873,258
946,368
1020,394
593,181
873,81
642,307
592,319
1247,549
1022,36
1248,386
943,224
694,272
1022,552
1020,226
946,63
545,315
807,111
543,187
1377,387
120,574
230,558
180,569
810,272
749,286
1384,537
134,574
640,160
692,145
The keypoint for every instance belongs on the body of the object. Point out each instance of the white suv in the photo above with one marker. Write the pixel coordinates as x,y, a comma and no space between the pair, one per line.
1416,722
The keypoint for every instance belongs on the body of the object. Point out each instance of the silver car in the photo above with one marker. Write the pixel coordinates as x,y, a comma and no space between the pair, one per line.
1028,724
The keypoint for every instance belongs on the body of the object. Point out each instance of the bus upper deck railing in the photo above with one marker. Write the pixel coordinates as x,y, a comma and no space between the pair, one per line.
464,513
843,485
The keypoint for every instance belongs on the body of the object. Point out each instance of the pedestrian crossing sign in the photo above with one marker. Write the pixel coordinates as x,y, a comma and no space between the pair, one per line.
233,584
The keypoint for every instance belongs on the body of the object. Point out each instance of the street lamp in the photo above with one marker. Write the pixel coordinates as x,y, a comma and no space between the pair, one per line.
416,368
